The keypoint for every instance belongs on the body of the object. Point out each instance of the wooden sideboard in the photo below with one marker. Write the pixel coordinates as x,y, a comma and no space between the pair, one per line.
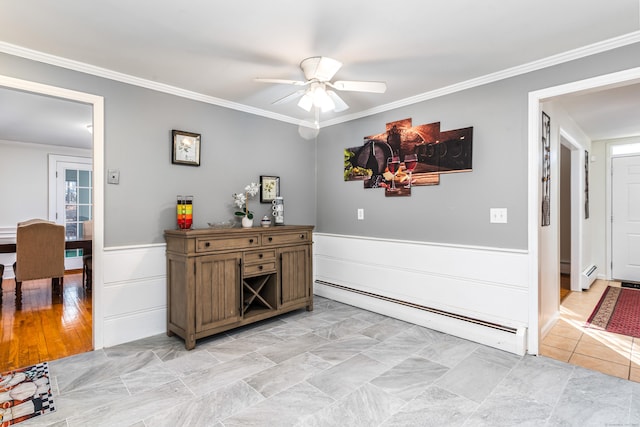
219,279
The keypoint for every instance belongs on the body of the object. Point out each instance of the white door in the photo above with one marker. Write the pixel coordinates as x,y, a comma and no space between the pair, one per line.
625,221
71,201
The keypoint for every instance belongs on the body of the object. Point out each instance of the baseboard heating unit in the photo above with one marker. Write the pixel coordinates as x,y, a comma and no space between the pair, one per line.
492,334
590,276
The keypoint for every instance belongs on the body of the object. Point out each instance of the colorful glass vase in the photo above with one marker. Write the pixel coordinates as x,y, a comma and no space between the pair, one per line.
184,212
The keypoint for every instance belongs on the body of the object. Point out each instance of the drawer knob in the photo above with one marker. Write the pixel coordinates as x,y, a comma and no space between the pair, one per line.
259,255
207,244
302,236
250,240
270,238
259,267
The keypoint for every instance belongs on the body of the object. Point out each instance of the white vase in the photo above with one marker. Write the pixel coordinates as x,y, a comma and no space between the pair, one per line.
246,222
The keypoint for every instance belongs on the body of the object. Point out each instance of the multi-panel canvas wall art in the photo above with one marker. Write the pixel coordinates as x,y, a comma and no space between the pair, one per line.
405,156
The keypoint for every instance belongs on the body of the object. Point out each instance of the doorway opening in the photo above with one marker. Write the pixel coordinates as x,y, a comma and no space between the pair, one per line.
537,262
625,218
565,220
96,103
70,204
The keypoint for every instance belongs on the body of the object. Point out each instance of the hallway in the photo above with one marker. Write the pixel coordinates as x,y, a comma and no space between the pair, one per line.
569,341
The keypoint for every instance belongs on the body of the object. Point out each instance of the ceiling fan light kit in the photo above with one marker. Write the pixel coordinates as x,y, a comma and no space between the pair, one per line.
317,96
318,72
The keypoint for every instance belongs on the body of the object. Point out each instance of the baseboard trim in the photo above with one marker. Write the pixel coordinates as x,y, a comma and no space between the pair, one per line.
422,307
513,340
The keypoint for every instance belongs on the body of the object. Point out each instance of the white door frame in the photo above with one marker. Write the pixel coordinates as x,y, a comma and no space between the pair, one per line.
533,212
609,201
97,102
609,209
576,210
54,160
57,164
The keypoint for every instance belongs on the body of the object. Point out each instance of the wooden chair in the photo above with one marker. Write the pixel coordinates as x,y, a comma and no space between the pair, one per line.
87,271
1,273
39,254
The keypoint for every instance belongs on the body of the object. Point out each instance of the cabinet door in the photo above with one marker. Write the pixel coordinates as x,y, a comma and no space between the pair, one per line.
217,296
295,274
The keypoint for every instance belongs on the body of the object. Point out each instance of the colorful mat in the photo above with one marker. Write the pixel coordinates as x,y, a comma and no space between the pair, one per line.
618,311
25,393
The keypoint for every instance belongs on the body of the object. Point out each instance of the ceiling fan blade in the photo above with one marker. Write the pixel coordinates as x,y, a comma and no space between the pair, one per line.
340,104
288,98
306,102
356,86
281,81
320,68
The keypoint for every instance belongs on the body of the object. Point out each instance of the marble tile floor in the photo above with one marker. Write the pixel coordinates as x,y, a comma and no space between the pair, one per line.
335,366
569,341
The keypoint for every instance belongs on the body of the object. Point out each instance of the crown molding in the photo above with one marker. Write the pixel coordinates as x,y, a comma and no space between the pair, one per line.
560,58
82,67
137,81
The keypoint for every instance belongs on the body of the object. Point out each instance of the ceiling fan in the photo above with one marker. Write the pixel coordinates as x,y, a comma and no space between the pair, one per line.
318,72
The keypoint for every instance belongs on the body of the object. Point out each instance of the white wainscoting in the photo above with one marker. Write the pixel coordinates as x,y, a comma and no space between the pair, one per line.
486,284
134,298
7,260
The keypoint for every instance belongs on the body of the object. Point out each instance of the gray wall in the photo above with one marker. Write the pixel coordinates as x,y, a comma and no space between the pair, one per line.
457,210
27,184
236,149
137,141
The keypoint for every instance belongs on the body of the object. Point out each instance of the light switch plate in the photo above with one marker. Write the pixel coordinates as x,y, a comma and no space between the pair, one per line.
498,215
360,214
113,176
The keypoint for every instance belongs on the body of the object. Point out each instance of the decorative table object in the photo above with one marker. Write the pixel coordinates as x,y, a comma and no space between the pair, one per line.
277,205
184,212
241,200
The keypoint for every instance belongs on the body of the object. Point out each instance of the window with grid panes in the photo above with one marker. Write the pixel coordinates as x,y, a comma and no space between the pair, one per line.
78,205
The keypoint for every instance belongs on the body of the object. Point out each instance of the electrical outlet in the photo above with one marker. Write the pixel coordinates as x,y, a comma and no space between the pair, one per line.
498,215
360,214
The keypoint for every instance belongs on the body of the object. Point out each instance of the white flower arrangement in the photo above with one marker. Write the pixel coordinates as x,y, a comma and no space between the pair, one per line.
241,200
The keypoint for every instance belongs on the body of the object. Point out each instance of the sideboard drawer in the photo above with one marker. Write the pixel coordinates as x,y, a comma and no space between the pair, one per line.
286,238
254,257
220,244
259,269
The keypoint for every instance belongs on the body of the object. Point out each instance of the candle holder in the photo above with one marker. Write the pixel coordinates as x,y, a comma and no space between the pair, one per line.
184,212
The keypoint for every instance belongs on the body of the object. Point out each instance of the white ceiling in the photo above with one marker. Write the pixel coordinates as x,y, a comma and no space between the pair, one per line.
214,50
28,117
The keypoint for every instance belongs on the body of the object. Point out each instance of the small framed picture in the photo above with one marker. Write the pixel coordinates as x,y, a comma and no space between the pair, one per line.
186,148
269,188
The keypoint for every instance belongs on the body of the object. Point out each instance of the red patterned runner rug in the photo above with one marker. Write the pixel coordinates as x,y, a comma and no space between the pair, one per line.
618,311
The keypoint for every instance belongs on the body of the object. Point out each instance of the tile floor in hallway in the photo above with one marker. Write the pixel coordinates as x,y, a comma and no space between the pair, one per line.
335,366
569,341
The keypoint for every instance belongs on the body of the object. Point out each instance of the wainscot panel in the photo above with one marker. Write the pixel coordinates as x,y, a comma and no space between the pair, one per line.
8,259
130,297
134,298
476,293
124,264
134,326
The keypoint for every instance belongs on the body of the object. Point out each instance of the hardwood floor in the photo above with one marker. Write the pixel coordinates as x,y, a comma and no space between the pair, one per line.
47,327
565,286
